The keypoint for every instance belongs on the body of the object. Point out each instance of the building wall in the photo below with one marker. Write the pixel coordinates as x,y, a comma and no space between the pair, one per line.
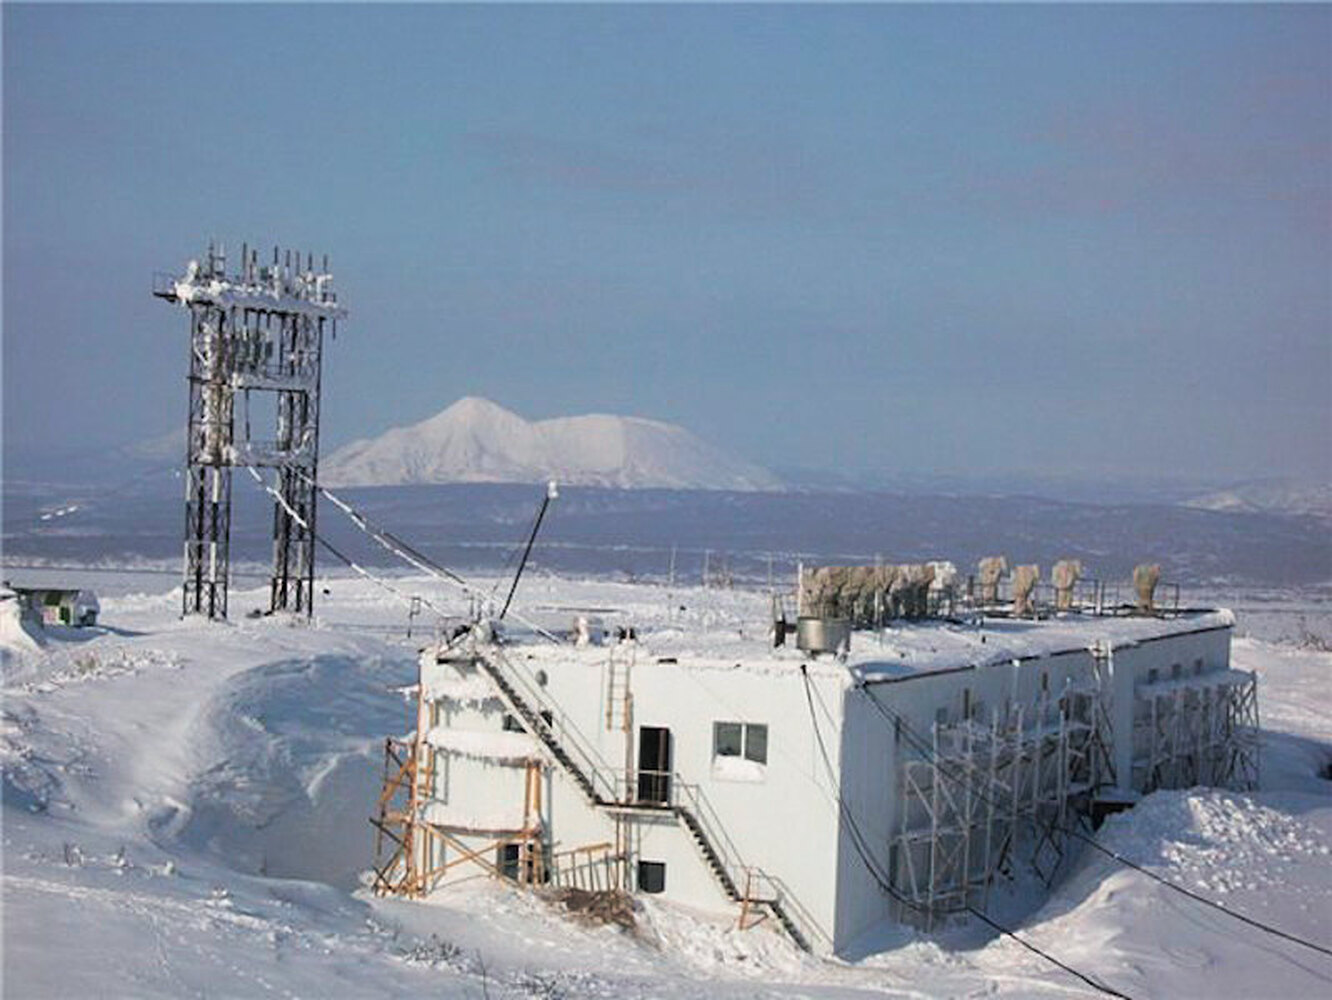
785,817
1141,663
781,816
873,747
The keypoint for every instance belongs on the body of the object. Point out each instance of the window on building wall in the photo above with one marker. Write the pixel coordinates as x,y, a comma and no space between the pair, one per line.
1197,666
756,743
740,739
652,876
1175,671
511,724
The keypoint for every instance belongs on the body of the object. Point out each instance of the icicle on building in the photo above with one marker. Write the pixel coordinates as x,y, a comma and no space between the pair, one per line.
894,776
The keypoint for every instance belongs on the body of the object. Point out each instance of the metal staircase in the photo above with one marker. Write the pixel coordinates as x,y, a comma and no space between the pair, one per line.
591,775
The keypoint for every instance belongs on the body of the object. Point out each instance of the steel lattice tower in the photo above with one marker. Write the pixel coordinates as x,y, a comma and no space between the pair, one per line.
258,330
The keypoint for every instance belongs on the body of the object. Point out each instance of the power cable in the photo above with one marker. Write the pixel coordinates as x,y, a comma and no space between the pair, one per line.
919,742
857,838
328,545
1198,898
387,540
396,546
1046,955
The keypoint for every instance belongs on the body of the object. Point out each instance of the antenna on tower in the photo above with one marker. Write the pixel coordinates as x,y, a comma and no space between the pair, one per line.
241,343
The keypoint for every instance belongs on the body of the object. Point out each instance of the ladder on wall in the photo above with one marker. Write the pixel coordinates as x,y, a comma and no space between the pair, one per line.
586,773
619,697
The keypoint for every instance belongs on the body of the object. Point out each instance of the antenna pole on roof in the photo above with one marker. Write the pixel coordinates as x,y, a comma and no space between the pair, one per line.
552,493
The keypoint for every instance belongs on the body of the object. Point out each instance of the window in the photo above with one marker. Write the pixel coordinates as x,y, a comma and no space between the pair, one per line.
756,744
740,739
1175,671
728,739
652,876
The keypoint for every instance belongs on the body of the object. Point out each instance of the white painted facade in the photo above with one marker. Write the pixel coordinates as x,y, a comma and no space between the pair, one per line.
784,822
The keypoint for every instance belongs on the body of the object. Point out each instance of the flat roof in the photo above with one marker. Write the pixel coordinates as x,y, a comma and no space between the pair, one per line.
906,649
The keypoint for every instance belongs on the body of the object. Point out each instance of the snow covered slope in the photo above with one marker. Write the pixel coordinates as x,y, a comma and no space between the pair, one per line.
185,815
1273,496
477,441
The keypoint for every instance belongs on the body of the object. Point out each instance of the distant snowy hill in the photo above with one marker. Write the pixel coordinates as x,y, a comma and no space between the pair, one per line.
477,441
1272,496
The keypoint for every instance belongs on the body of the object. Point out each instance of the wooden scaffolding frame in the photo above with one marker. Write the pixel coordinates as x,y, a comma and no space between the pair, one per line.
413,854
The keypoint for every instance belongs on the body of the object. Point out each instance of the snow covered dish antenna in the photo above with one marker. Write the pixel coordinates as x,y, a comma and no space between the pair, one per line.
258,328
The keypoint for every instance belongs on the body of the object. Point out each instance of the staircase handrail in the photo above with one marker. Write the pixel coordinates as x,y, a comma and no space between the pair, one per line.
795,911
706,816
593,765
785,904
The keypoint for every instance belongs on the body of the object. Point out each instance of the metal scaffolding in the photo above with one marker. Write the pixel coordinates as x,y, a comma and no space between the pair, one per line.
258,330
1196,730
977,797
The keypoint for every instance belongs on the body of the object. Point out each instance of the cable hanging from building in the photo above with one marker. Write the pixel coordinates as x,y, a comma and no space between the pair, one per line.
859,842
918,741
394,545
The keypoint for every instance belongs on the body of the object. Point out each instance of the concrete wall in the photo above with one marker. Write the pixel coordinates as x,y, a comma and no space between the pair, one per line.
783,816
780,817
872,751
1132,665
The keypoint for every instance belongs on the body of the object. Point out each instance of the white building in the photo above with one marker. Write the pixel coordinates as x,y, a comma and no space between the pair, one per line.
821,793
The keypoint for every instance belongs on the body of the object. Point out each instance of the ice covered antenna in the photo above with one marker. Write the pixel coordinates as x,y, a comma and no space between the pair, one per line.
552,493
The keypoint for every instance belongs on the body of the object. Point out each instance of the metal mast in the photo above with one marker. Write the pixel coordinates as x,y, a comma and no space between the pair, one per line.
259,329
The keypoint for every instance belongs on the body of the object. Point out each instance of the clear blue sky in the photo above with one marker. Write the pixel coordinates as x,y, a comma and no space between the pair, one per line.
1085,239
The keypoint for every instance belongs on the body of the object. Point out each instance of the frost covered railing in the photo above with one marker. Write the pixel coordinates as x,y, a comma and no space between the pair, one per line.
743,883
549,723
1089,596
667,790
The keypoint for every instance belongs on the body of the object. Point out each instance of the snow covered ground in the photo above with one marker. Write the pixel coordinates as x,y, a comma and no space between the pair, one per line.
185,812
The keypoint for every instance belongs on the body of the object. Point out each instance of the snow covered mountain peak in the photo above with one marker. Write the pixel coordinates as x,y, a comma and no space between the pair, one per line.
477,441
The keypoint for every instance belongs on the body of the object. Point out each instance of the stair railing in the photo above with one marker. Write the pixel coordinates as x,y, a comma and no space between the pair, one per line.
690,797
795,919
682,797
561,726
788,909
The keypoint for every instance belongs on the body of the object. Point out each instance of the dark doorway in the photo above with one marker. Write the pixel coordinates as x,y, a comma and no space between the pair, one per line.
509,861
654,764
